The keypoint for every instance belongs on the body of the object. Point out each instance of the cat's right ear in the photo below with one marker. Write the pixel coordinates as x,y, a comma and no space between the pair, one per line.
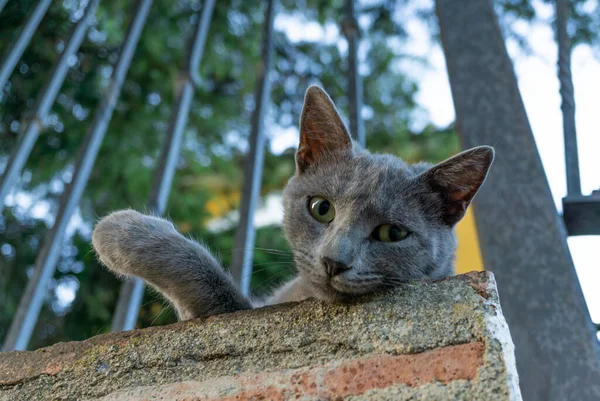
321,129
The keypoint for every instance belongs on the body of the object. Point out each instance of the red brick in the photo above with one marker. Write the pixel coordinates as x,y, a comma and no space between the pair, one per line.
336,379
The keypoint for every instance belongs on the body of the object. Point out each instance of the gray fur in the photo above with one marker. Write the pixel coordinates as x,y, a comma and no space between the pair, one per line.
367,190
133,244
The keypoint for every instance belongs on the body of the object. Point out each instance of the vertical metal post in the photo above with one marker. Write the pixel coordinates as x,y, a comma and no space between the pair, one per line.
2,4
351,30
31,129
14,52
132,292
241,266
568,99
33,298
522,238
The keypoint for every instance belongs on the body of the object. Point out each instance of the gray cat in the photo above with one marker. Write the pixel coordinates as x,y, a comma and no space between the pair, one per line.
357,223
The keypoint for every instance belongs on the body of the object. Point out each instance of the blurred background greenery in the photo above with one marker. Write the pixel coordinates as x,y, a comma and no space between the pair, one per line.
207,184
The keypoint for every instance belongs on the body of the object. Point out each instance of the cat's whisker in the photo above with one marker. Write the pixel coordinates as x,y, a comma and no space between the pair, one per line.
283,260
268,285
266,250
153,299
395,281
274,263
254,272
274,251
163,308
266,268
269,264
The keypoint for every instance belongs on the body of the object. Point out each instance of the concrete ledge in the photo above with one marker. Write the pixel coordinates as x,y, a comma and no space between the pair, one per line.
443,340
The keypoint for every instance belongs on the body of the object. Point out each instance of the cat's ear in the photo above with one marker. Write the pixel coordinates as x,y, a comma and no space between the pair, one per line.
321,129
458,179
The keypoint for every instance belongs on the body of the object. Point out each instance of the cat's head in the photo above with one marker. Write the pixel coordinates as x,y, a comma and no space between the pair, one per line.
360,222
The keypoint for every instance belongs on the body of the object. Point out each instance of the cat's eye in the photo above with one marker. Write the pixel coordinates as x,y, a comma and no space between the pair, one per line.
390,233
321,209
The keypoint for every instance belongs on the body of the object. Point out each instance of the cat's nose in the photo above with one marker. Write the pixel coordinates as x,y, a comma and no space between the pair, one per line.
333,267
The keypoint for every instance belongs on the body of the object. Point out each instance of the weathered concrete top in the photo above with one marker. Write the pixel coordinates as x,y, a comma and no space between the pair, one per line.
443,340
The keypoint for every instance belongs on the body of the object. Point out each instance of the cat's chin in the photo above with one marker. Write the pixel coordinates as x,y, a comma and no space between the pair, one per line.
335,291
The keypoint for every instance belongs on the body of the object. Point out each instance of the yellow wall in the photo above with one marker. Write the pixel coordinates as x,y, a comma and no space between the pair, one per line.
468,255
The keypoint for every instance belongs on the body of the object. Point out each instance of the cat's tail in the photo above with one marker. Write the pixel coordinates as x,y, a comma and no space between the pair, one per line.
132,244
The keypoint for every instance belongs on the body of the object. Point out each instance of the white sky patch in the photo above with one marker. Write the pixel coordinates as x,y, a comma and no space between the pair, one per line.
76,223
283,139
30,205
19,199
584,250
269,212
65,291
298,29
40,209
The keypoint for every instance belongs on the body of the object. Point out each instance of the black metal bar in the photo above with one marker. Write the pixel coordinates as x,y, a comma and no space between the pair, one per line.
568,98
34,125
351,30
33,298
241,265
581,214
131,294
14,53
521,236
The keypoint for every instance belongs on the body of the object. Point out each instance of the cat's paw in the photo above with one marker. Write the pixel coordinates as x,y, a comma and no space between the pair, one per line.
123,238
133,244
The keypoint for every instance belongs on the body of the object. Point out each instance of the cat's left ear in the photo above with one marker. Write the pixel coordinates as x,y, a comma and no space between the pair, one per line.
458,179
322,130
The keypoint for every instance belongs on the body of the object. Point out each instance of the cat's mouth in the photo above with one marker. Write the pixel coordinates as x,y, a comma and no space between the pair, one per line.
342,287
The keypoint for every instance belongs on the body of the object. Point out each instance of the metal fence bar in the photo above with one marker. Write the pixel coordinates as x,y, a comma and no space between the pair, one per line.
128,305
2,4
351,30
568,99
14,53
34,125
33,298
188,77
132,292
241,265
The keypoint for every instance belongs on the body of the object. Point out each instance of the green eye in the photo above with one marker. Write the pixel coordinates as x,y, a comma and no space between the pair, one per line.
390,233
321,209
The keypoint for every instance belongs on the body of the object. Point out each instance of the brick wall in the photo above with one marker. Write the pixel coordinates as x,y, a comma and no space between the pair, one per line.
442,340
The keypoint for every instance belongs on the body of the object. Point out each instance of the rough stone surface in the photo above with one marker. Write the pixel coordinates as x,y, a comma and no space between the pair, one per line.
445,340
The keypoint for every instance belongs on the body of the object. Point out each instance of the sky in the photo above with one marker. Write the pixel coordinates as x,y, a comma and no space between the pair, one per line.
539,86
